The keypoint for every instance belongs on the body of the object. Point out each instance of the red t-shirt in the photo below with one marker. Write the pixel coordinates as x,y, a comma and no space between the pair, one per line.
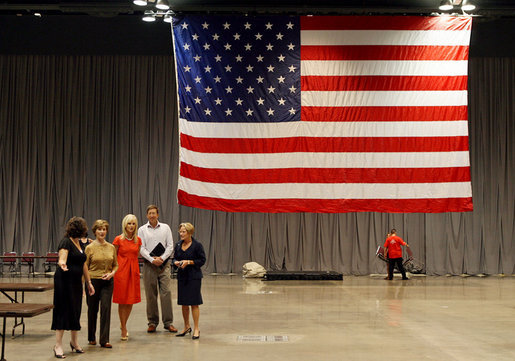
393,244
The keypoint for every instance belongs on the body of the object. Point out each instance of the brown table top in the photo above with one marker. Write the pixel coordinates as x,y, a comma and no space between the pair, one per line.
26,287
18,256
23,309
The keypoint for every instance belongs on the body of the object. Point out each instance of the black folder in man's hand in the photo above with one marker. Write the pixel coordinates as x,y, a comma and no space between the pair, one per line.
158,250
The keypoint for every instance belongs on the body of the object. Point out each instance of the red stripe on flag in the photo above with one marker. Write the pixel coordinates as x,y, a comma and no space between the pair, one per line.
383,52
326,175
324,144
433,205
378,114
384,23
389,83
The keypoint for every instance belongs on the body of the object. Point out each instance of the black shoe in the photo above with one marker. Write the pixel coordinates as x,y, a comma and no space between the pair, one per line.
76,350
58,356
182,334
196,337
405,278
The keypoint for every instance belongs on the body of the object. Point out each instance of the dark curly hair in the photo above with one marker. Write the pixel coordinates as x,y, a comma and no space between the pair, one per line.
76,228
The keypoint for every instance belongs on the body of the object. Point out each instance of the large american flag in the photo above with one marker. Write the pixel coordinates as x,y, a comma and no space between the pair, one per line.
323,113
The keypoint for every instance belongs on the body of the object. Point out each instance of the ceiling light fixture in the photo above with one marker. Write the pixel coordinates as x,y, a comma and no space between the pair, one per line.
445,5
140,2
149,16
162,5
467,6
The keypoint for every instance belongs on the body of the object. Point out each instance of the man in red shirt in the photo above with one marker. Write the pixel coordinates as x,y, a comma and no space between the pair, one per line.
393,253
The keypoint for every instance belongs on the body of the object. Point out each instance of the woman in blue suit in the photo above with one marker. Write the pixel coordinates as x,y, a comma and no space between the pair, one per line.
189,256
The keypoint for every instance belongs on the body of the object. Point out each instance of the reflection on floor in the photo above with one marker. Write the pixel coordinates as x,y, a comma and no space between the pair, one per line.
359,318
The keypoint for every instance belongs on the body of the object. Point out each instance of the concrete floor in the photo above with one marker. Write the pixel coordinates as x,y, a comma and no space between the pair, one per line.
361,318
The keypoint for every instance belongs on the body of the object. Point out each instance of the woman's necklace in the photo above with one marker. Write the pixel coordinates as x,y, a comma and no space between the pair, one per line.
185,246
77,245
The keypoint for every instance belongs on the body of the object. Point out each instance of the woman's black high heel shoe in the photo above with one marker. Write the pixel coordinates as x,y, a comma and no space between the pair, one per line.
196,337
76,350
58,356
182,334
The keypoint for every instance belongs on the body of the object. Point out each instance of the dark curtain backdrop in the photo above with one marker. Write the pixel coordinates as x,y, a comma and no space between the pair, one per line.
97,136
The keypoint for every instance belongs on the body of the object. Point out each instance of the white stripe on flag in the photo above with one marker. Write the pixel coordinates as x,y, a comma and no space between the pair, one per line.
327,129
385,68
383,98
385,37
326,190
325,160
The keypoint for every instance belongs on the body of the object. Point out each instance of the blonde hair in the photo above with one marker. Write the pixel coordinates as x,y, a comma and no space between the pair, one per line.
188,226
99,223
128,218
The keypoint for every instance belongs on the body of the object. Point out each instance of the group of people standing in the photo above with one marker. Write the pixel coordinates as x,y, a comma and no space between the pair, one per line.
111,272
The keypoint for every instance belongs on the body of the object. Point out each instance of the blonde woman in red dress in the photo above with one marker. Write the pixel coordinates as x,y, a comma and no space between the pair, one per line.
126,290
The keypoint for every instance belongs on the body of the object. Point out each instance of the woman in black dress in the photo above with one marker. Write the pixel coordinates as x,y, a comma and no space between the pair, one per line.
68,286
189,256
